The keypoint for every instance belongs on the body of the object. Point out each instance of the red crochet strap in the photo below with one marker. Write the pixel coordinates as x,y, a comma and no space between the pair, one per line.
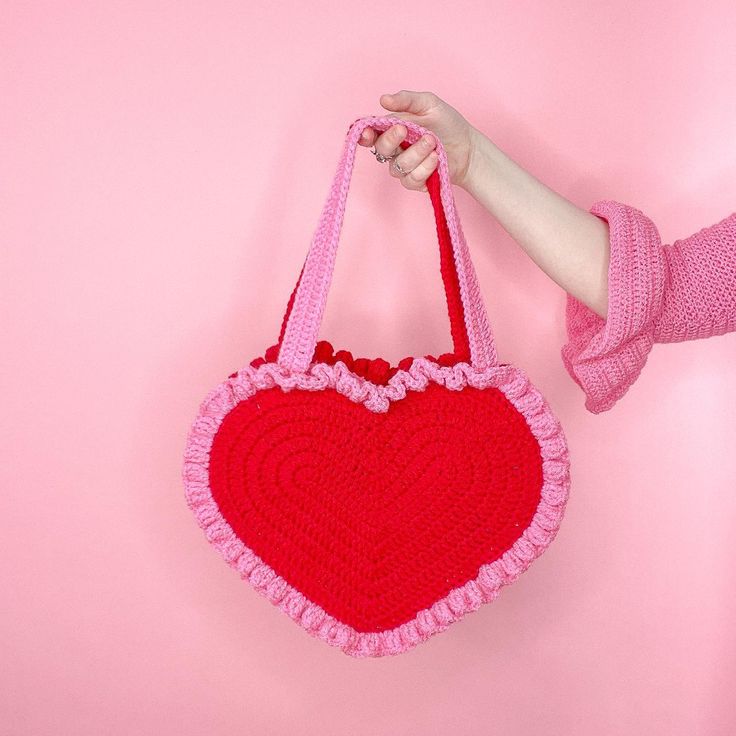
461,345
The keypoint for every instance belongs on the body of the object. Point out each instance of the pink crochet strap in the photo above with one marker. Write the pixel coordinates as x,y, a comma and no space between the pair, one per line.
304,320
448,271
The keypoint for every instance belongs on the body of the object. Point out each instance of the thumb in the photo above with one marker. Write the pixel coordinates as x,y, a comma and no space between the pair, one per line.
407,101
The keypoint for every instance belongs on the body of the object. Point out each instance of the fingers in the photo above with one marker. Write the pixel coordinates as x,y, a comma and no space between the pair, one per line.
417,103
417,162
408,160
405,104
367,137
387,143
416,179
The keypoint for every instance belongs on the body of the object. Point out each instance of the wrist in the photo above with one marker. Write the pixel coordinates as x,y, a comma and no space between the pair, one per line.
477,160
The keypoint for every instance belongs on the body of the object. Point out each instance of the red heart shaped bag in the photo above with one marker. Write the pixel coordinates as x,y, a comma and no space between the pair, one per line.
376,505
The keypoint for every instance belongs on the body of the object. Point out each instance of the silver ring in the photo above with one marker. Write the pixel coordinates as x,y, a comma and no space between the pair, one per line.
399,169
380,157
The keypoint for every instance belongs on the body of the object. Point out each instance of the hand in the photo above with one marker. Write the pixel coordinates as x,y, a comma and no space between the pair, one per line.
420,160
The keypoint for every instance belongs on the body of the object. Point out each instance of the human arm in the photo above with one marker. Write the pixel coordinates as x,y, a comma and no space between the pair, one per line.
568,243
625,289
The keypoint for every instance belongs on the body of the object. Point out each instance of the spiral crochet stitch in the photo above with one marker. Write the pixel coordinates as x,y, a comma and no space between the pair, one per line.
376,504
342,620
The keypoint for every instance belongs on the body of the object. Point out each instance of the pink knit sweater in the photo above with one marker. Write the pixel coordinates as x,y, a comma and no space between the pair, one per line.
656,293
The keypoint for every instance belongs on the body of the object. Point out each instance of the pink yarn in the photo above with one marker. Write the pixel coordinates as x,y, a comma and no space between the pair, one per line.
656,294
295,368
302,327
491,578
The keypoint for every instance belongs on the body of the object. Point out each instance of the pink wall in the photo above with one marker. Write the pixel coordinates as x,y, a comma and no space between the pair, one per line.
163,167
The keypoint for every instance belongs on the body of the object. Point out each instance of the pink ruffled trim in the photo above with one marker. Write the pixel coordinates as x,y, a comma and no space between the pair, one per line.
515,385
605,356
376,370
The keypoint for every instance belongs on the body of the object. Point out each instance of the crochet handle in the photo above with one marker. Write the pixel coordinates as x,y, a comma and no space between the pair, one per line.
308,304
461,348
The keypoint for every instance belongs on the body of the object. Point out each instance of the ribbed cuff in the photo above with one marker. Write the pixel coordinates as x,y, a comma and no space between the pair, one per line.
605,356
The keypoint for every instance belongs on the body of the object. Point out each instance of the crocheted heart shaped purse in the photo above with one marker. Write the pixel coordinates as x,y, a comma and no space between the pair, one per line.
375,505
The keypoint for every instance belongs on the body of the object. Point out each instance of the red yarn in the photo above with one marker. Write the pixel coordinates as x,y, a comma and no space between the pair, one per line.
378,370
375,516
324,513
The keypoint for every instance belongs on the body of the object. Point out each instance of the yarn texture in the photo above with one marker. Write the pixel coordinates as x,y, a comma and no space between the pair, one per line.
656,294
376,505
351,574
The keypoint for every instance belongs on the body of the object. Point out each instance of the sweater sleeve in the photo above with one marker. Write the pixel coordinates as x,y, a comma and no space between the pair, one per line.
656,293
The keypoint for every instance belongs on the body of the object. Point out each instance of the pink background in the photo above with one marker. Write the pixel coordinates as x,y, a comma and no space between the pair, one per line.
163,168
